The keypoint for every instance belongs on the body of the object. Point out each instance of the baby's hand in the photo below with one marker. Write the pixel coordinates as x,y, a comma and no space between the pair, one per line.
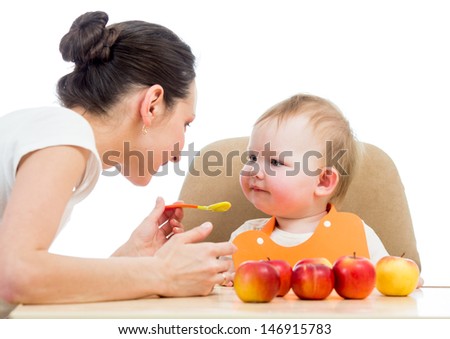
420,282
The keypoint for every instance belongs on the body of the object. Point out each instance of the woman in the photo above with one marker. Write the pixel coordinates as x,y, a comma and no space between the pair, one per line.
132,89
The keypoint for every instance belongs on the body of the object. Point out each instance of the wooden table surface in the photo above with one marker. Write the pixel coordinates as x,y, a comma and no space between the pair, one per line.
427,302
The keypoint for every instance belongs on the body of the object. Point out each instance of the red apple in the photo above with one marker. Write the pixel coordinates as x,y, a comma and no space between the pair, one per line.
318,260
312,281
285,273
354,277
396,276
256,281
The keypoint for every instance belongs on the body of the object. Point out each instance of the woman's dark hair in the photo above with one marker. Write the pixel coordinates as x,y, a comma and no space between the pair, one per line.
110,61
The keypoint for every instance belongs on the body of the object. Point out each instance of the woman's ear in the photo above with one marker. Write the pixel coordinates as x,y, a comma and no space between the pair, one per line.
328,181
153,102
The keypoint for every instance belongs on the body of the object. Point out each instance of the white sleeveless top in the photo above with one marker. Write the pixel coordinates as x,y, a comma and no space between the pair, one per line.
28,130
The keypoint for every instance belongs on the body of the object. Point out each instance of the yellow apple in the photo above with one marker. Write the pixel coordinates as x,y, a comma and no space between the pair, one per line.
396,276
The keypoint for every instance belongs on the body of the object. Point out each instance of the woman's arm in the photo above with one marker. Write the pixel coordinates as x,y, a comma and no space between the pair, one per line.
29,274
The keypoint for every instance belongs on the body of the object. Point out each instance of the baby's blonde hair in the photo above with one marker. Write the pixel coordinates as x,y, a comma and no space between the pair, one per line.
330,125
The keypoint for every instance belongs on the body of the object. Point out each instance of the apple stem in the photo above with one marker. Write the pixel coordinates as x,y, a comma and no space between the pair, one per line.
268,258
403,255
354,255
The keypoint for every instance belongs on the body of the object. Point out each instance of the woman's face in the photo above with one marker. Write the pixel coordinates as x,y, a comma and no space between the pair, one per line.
163,141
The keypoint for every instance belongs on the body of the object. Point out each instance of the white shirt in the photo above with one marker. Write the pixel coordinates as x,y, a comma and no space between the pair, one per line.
28,130
288,239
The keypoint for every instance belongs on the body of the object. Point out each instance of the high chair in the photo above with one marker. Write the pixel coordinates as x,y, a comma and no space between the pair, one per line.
376,194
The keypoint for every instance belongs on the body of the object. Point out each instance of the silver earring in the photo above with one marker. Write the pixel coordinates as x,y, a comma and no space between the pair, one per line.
144,129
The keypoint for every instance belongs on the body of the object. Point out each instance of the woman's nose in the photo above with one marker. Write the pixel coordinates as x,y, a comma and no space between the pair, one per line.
175,154
175,158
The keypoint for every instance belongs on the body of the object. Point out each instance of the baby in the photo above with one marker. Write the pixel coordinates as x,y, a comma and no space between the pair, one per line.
302,155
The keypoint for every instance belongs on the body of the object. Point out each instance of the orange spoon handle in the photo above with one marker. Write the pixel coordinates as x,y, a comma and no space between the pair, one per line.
181,206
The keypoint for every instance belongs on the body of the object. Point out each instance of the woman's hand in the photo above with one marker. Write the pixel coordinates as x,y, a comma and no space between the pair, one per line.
229,281
153,232
192,267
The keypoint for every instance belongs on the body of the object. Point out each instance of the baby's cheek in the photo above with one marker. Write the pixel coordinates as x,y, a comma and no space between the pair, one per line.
243,181
282,195
248,170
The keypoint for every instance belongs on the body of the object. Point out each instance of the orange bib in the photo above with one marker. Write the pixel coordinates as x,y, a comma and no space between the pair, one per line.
338,234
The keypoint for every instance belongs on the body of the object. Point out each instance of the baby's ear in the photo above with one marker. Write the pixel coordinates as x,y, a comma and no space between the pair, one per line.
328,180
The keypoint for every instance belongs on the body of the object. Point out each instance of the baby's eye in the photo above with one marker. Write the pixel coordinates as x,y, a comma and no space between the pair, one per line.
251,158
275,162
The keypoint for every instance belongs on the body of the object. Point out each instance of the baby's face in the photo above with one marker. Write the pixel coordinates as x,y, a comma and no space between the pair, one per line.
282,172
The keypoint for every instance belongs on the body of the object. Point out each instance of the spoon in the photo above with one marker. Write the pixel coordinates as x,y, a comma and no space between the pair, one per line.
217,207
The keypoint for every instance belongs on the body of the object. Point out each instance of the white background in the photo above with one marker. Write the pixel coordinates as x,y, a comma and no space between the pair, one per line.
386,64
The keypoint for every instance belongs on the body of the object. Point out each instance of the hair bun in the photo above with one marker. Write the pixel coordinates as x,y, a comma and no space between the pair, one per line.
88,39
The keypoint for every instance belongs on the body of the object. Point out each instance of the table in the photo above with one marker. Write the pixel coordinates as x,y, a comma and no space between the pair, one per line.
427,302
